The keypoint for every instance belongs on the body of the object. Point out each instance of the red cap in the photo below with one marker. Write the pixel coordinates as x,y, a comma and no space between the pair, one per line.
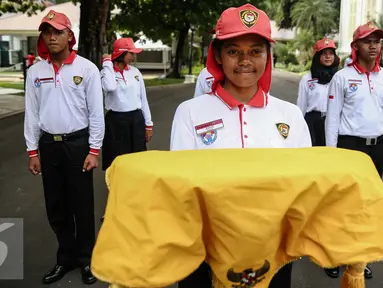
237,21
324,44
362,32
124,45
58,21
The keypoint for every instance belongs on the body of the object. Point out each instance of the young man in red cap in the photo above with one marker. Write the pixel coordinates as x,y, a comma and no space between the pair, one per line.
64,129
355,106
128,122
313,89
239,113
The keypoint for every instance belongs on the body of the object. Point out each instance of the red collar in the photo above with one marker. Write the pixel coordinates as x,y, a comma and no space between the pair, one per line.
68,60
117,69
361,69
259,100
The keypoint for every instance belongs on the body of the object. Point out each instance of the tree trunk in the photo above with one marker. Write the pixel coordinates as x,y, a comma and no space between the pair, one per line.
182,35
94,24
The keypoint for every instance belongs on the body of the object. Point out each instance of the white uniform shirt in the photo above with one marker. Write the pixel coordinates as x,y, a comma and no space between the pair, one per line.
65,101
125,90
204,82
355,105
312,96
207,122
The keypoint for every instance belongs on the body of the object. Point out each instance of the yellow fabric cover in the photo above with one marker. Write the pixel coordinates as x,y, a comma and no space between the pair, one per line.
168,211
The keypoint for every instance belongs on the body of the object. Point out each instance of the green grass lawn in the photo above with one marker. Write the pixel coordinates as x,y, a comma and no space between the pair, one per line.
13,85
166,81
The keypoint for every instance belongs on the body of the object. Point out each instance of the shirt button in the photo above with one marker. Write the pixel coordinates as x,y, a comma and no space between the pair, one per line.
245,123
245,136
244,109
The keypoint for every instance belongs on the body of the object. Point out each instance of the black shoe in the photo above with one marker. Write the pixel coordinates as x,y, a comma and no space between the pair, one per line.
87,276
332,272
367,273
56,273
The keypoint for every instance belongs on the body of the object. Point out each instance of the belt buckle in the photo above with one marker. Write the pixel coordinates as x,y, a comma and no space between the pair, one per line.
371,141
57,138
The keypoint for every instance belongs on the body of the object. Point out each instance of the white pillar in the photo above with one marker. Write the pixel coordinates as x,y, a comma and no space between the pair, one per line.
361,12
344,23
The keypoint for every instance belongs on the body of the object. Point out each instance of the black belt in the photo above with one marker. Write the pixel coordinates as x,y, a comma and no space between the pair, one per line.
65,137
371,141
124,112
322,114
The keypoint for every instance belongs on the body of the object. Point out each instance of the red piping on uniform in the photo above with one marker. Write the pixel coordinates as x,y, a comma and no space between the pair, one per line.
117,69
33,153
94,151
68,60
240,123
368,80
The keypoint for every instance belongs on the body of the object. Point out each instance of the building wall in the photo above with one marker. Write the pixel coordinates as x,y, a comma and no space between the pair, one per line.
353,14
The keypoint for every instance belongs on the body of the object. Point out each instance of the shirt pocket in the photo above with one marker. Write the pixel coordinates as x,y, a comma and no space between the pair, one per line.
77,96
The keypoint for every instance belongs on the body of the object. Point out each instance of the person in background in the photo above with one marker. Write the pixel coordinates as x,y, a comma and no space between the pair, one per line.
355,106
64,128
313,89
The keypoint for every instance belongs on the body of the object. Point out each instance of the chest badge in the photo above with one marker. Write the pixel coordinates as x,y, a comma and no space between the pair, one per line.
77,80
137,78
283,129
209,137
37,83
353,87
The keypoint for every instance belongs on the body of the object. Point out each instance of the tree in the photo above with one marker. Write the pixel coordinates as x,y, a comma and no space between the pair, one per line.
172,19
317,16
284,12
16,6
96,32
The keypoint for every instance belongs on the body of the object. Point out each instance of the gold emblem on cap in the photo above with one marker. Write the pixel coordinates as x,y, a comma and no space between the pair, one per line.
249,18
51,15
326,42
371,25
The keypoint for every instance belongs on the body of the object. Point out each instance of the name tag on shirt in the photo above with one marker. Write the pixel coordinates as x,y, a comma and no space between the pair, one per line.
209,126
312,83
39,81
353,84
355,81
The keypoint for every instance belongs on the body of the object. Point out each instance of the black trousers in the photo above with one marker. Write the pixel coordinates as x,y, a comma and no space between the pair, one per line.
316,123
124,133
69,196
201,278
359,144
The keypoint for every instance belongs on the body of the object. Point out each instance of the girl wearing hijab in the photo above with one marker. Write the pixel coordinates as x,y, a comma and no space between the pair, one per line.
313,89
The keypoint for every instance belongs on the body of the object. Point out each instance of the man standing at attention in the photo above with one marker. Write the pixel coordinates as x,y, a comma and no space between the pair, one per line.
355,105
64,129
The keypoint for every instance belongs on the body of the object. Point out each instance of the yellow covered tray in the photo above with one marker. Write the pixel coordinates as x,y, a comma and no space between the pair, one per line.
241,210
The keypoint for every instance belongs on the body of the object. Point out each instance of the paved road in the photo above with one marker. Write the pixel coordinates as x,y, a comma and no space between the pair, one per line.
21,194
